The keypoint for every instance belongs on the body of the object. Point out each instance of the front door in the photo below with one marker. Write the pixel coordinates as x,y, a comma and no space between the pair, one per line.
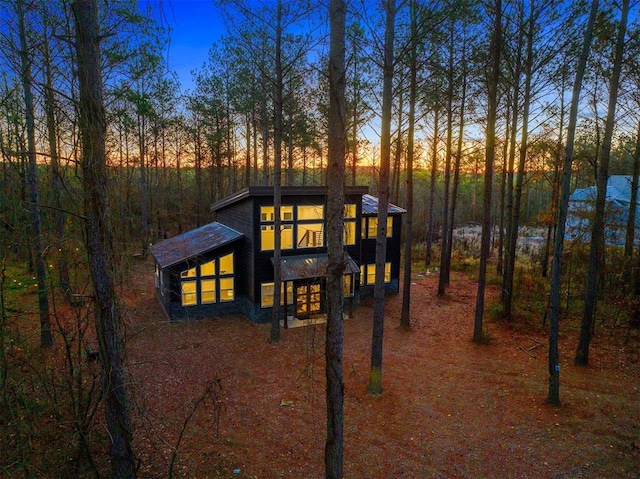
308,299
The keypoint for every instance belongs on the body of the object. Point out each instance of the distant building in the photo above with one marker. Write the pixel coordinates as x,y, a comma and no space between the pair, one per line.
226,267
618,201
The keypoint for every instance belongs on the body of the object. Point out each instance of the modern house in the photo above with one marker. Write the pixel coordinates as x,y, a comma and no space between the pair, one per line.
226,267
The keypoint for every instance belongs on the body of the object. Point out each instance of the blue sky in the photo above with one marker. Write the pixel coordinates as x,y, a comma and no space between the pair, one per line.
195,25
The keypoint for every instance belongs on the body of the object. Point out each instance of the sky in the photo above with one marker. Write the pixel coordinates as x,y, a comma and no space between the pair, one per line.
195,26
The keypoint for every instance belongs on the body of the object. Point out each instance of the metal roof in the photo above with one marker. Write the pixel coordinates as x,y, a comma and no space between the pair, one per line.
370,206
311,266
193,243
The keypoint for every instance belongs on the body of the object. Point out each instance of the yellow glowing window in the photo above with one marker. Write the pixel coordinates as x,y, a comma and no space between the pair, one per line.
226,290
208,291
226,264
349,211
371,230
267,213
208,269
190,273
347,285
368,273
267,237
189,293
349,232
266,293
310,212
310,235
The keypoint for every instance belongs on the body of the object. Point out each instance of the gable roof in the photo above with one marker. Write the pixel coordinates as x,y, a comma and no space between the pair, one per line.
370,206
193,243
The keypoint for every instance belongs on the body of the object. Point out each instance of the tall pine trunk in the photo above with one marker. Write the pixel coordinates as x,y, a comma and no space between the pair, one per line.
490,153
334,446
92,124
553,396
46,337
375,375
596,249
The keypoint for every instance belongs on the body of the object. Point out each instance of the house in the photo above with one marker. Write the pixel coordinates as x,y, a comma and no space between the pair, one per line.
618,202
226,267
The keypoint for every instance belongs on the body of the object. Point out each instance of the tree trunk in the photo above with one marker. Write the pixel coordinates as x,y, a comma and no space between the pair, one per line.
405,315
274,336
553,396
444,246
334,445
92,123
46,338
522,164
596,249
432,190
490,153
375,375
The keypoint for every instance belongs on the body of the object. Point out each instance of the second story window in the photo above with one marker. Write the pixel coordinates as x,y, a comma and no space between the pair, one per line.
267,231
310,226
370,227
349,224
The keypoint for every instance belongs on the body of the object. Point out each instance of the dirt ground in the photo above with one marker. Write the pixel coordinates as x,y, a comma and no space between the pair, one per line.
240,408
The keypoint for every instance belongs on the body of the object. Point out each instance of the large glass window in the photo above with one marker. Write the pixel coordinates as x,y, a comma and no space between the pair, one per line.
226,290
267,231
208,269
347,285
370,227
310,212
350,211
208,291
266,293
189,297
349,232
226,264
368,273
190,273
310,235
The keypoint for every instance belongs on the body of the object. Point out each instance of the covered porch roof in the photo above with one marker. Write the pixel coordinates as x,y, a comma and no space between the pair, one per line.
311,266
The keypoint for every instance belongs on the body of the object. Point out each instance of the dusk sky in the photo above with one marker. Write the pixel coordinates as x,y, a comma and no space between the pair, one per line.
195,26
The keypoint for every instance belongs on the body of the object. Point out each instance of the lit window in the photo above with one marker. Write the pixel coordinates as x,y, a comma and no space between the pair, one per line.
310,212
371,230
368,273
310,235
189,293
208,269
347,285
190,273
226,264
349,232
226,290
266,293
208,291
267,241
267,213
267,237
349,211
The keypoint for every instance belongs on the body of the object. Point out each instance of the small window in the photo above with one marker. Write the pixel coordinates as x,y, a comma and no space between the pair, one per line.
189,293
190,273
267,213
310,212
208,269
208,291
226,264
226,290
368,273
267,240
